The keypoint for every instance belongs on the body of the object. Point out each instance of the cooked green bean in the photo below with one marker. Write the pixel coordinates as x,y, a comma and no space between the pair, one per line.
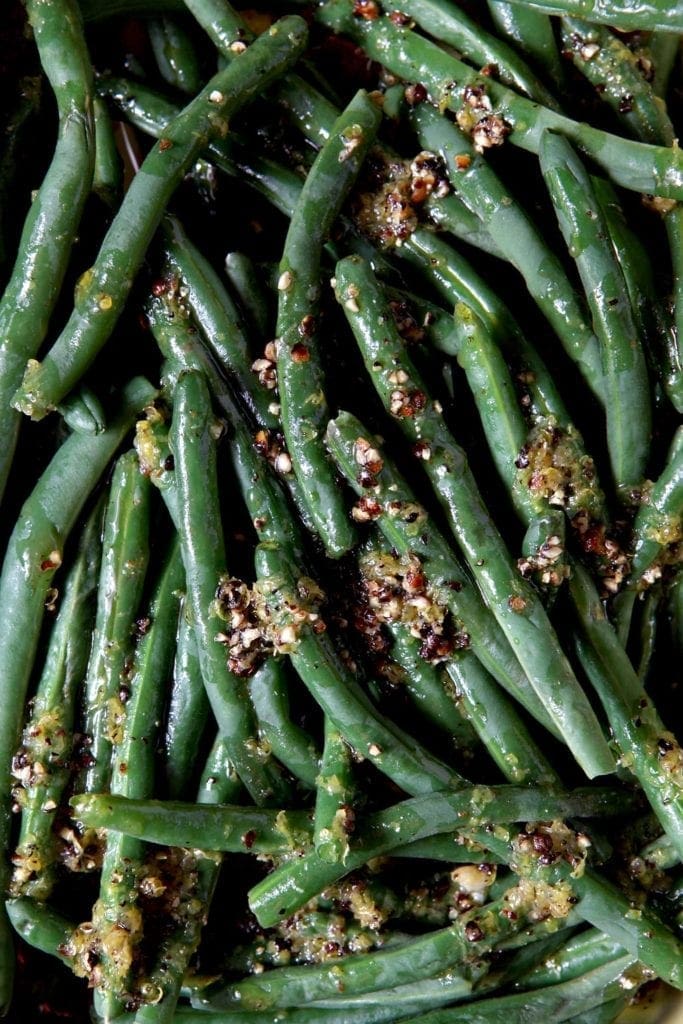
188,711
175,55
52,222
33,556
194,447
106,285
449,24
133,775
532,33
336,690
210,827
107,175
625,385
290,744
336,788
653,15
513,602
125,554
303,405
251,293
40,926
659,521
48,735
646,747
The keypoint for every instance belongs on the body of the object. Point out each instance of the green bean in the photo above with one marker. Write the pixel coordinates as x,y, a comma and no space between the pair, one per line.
40,926
204,827
222,24
532,33
447,23
514,604
673,346
199,526
374,1014
660,853
625,386
107,175
645,938
607,61
293,883
647,749
43,765
653,15
133,774
106,285
55,213
175,55
81,410
341,698
92,10
125,553
662,48
251,293
643,168
659,520
290,744
402,521
553,1004
218,318
34,553
188,711
648,632
451,849
581,953
606,1013
497,724
300,376
336,789
517,237
430,691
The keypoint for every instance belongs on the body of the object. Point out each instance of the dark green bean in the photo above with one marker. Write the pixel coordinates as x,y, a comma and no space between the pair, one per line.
532,33
625,385
336,789
125,553
188,711
304,408
517,237
175,55
105,287
659,521
449,24
653,15
108,172
408,535
290,744
55,213
251,292
47,742
194,446
647,748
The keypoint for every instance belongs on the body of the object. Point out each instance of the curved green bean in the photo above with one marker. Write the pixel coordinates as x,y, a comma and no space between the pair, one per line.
290,744
175,55
48,735
52,222
188,710
303,405
532,33
652,15
336,787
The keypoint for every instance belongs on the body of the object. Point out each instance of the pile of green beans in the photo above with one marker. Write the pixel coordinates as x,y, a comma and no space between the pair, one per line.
341,374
